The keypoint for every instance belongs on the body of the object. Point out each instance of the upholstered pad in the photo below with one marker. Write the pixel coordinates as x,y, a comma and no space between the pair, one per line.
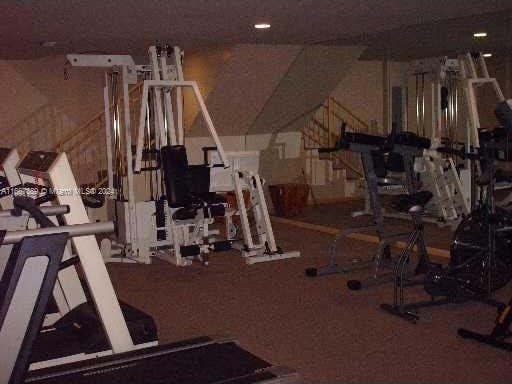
404,203
362,138
412,140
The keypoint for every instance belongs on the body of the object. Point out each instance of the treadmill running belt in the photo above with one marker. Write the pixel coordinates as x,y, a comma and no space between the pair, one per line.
211,363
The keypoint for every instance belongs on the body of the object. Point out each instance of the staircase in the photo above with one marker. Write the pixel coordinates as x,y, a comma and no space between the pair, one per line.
86,146
323,129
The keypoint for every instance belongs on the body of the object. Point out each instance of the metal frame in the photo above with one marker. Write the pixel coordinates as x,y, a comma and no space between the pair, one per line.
9,158
138,239
159,86
451,192
68,292
59,177
382,258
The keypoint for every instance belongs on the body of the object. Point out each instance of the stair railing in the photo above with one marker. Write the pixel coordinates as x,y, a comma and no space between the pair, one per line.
323,129
86,145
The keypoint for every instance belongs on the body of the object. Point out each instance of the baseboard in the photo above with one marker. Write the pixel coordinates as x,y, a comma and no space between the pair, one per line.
432,251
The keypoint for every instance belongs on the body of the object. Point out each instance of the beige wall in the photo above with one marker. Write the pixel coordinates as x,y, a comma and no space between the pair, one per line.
53,98
244,85
203,66
40,105
361,90
306,85
19,98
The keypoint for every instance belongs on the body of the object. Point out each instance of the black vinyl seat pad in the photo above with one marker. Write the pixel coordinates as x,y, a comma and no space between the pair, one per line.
404,202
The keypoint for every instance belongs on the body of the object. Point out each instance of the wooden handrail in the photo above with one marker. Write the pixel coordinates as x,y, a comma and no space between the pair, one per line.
80,129
338,104
308,130
319,124
345,163
83,127
78,143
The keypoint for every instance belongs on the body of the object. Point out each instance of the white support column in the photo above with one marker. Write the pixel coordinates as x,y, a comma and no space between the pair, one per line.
169,114
498,90
386,96
142,124
159,121
470,65
434,134
209,122
8,166
474,120
108,134
129,161
242,211
405,102
264,214
439,111
91,260
179,95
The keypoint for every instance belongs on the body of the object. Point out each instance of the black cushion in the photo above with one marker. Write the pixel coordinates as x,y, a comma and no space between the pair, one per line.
93,200
404,202
363,138
175,169
411,139
198,179
185,213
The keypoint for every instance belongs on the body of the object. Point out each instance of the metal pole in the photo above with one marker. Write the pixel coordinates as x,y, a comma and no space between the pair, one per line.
50,210
13,237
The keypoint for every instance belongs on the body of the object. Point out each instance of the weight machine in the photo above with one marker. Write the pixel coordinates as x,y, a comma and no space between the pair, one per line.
438,78
436,109
452,125
172,216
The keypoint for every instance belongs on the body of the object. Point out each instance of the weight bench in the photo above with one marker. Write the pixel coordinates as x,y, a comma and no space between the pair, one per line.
192,206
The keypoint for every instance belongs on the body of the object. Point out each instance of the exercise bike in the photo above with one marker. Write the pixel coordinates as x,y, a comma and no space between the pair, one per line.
379,154
480,261
501,330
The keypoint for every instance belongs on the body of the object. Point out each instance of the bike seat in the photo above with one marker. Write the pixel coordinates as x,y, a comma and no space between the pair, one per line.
413,203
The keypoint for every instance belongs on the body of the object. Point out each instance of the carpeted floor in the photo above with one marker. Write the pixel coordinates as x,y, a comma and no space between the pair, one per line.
340,215
326,332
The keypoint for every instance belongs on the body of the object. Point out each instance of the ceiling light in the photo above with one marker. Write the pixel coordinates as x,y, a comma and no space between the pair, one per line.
262,26
487,55
480,34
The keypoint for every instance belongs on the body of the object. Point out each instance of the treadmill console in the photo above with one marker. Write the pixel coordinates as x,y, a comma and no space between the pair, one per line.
37,162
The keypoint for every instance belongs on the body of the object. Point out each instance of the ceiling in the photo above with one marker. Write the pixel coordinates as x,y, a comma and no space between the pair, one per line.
445,37
402,27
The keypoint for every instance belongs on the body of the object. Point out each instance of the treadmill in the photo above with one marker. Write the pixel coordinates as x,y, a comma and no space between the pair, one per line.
27,286
25,295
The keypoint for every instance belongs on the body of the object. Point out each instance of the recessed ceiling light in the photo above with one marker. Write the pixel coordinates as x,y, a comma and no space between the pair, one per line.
480,34
487,55
262,26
